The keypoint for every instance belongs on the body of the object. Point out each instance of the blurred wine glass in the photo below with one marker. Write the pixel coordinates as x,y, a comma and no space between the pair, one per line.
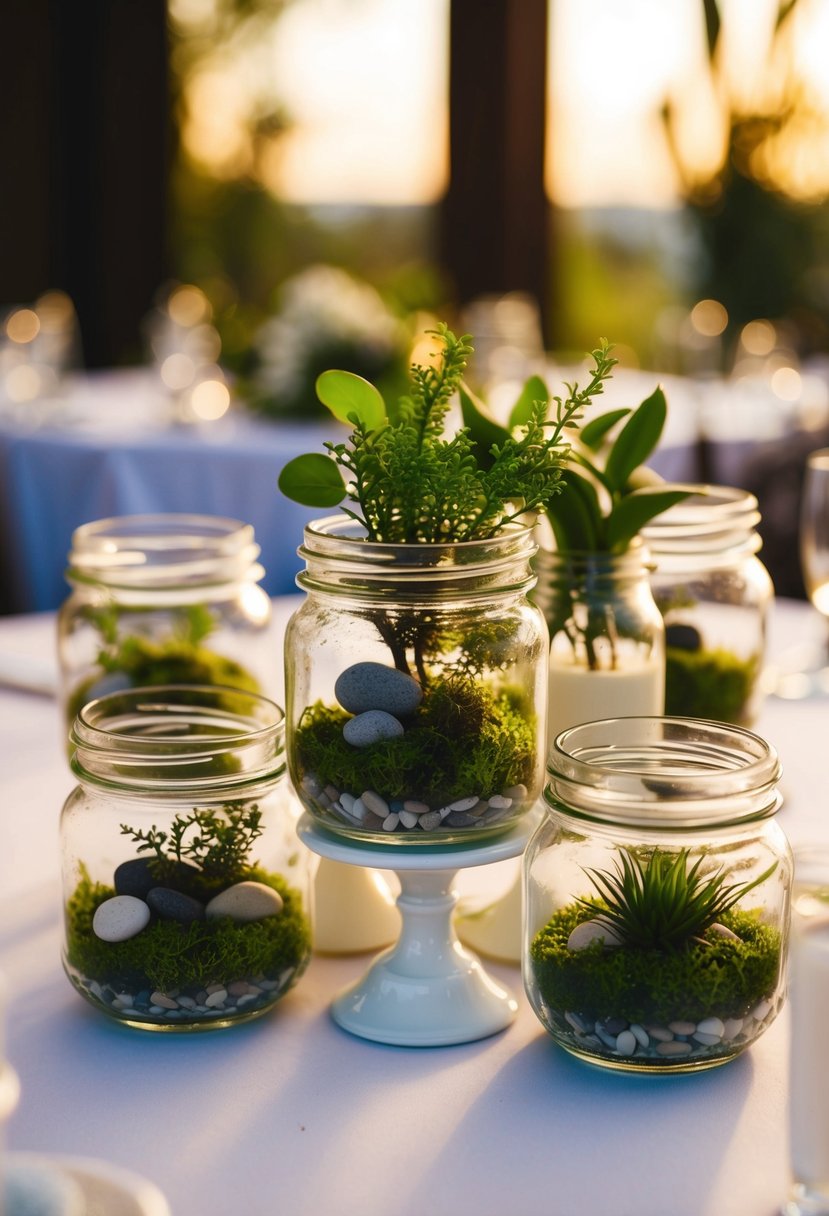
814,530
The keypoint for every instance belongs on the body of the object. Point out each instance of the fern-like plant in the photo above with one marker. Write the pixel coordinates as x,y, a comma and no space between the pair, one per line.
407,481
663,903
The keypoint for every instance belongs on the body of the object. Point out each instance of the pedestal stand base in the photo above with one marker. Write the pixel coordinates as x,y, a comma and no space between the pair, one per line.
426,990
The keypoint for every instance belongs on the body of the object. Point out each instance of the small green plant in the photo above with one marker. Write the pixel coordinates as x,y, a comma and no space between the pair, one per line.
408,482
218,843
663,903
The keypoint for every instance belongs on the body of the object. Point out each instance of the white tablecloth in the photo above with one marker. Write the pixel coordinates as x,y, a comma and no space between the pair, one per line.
292,1115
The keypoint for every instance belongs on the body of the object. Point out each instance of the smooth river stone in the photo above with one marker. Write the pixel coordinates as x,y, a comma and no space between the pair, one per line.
589,931
120,918
175,905
371,727
139,875
245,901
365,686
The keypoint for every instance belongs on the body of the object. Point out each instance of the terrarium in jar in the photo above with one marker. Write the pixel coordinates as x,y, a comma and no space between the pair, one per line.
715,595
185,887
657,894
415,685
607,650
162,599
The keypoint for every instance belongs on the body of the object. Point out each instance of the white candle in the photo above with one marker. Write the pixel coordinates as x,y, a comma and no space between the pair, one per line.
578,695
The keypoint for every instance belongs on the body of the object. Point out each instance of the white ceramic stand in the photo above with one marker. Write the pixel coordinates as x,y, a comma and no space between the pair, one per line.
426,990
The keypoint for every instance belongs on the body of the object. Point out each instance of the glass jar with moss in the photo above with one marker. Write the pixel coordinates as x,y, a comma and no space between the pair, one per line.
714,594
657,894
415,685
162,599
185,887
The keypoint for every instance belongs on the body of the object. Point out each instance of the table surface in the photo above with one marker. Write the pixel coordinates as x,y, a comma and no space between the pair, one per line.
292,1114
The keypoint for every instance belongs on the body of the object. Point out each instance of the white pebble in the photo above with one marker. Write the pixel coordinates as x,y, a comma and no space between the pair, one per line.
216,999
626,1043
120,918
576,1022
245,901
347,801
590,931
464,804
444,811
161,998
609,1040
731,1028
674,1048
409,819
711,1026
359,810
390,822
761,1010
724,932
516,792
707,1040
640,1034
500,802
374,803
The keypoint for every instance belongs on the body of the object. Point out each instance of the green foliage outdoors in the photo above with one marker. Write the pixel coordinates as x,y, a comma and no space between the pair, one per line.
662,902
711,977
463,739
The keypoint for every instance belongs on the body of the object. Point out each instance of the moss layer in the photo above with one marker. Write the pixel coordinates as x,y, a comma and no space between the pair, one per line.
167,955
716,977
463,739
713,684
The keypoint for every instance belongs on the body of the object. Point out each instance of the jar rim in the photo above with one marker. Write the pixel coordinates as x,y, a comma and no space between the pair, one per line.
179,737
663,771
340,557
710,512
163,550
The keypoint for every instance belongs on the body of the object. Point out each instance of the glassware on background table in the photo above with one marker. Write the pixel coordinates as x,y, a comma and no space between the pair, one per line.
163,599
808,1056
715,596
185,886
658,866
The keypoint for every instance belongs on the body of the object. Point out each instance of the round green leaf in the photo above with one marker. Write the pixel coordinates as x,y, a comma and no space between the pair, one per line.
313,480
350,398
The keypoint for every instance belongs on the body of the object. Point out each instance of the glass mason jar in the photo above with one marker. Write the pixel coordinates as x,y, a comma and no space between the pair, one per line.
715,595
185,887
607,654
162,599
415,685
657,894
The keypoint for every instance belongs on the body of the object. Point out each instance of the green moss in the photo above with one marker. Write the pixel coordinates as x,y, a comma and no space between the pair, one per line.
148,663
462,739
713,977
713,684
168,955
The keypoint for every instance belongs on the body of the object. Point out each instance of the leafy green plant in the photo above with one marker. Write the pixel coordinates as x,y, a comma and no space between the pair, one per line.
218,843
662,903
408,482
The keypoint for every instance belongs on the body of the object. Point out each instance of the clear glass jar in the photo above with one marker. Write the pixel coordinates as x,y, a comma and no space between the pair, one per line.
607,655
648,817
185,886
415,685
162,599
715,595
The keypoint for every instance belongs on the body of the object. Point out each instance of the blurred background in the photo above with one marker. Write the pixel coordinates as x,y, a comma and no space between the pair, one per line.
209,201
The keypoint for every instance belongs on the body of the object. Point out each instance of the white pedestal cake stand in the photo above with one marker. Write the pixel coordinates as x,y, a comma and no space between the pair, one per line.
426,990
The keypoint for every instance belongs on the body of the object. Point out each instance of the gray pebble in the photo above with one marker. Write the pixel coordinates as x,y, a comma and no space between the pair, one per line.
639,1033
464,804
414,807
390,822
365,686
371,727
408,819
626,1043
430,821
500,802
674,1048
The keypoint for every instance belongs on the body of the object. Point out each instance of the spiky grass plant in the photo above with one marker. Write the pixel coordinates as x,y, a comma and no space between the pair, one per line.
662,903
